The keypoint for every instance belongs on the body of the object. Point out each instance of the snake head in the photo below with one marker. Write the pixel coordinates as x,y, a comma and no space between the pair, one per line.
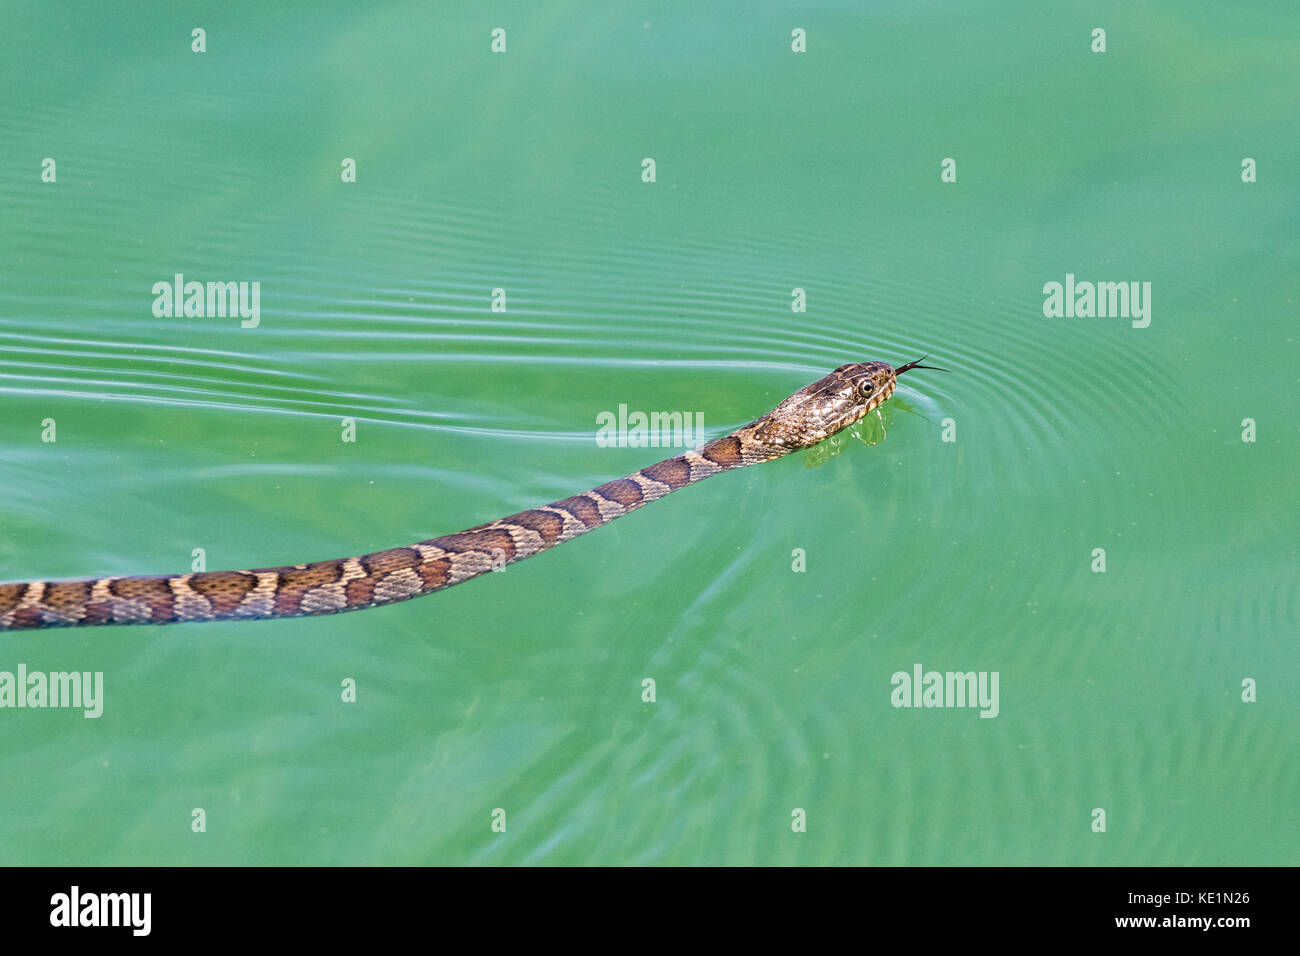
831,404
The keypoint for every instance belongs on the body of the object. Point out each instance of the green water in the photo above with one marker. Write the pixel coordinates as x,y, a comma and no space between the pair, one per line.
775,170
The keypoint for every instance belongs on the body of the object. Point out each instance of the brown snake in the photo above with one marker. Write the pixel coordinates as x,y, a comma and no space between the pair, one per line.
810,415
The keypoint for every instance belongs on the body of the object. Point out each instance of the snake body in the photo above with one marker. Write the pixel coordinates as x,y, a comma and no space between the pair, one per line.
810,415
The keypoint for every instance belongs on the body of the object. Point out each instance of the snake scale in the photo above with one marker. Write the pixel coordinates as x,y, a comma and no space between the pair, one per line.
807,417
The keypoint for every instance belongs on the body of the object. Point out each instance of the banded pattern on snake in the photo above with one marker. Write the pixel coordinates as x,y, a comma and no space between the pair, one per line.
807,417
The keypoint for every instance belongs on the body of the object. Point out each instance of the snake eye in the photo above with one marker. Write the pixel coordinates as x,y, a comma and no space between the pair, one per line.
867,389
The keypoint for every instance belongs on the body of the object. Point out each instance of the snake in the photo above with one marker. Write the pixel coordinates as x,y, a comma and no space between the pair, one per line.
809,416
